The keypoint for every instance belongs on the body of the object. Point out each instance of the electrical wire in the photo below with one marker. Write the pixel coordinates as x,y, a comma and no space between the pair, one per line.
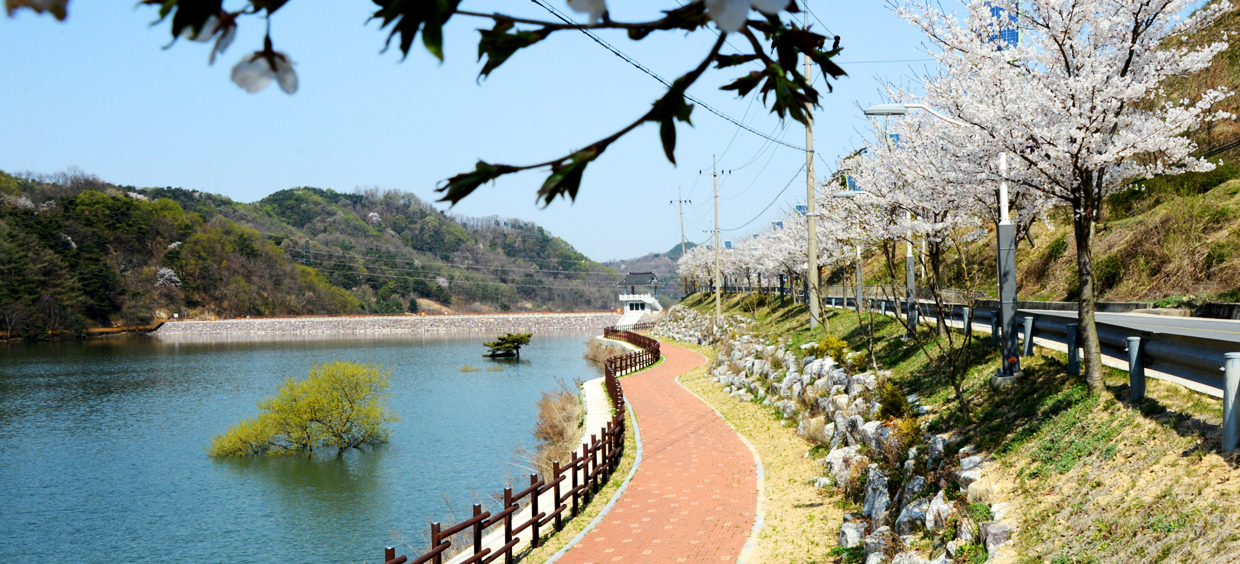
655,76
768,206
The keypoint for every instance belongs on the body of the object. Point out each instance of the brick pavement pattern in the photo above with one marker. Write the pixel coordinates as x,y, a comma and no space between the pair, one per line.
695,494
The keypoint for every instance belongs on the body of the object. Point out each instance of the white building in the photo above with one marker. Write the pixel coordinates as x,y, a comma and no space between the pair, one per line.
637,297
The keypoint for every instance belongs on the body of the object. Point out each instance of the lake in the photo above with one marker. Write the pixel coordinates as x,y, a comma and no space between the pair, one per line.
102,448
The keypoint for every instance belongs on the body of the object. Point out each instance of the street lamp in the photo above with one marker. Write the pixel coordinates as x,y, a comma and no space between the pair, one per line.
1006,235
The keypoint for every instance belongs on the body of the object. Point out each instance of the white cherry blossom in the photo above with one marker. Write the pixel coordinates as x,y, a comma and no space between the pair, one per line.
596,8
730,15
257,70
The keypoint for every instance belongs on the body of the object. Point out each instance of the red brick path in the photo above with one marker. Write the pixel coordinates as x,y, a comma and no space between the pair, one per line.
694,496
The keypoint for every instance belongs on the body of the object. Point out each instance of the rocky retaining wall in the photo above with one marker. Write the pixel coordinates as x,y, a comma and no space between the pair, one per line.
907,492
524,323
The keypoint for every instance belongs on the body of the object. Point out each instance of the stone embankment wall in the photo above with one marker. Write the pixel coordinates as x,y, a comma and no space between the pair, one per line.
906,491
487,324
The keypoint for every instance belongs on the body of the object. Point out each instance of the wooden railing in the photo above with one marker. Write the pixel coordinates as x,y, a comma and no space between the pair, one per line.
585,474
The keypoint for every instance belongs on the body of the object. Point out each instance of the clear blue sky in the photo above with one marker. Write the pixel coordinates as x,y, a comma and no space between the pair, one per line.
99,93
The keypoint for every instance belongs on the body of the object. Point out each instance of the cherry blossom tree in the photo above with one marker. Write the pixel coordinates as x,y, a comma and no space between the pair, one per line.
770,42
1077,103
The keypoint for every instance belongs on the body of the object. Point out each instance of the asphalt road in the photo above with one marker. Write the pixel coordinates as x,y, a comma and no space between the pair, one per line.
1194,327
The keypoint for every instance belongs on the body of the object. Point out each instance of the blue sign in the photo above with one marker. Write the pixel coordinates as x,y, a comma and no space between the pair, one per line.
777,225
727,245
894,139
1005,35
851,184
802,209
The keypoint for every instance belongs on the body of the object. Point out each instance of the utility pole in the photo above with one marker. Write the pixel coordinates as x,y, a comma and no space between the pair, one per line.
812,262
718,291
680,204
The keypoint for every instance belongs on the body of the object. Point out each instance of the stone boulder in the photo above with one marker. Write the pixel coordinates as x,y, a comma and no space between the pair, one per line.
939,513
852,430
994,534
934,449
910,490
840,462
908,558
912,518
966,531
877,504
869,434
852,532
878,542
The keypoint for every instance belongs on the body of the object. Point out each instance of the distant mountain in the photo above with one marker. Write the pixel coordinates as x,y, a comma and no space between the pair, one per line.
78,252
662,264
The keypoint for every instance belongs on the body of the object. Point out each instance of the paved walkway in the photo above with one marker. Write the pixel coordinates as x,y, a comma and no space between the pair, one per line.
694,496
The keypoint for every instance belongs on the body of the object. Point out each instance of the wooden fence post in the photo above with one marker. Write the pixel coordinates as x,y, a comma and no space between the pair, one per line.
508,525
534,509
555,469
478,529
389,554
435,542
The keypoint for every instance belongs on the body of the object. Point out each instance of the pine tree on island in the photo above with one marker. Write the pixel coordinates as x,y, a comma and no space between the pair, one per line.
508,346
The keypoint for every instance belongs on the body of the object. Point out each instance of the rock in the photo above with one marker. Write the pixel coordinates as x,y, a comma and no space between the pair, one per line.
998,511
971,462
994,534
797,388
824,406
828,433
952,548
877,500
908,558
869,434
852,534
839,463
934,449
966,477
839,377
966,531
841,429
788,407
911,489
884,439
938,513
877,542
857,407
839,404
853,430
822,482
942,559
876,558
910,461
912,518
822,387
807,360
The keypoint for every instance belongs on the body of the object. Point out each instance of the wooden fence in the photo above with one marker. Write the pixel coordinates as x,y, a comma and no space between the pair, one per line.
572,488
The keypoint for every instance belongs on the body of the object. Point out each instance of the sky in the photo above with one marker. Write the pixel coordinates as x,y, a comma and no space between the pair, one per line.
99,92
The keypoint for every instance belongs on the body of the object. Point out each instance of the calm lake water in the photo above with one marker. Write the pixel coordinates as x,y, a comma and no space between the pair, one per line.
102,448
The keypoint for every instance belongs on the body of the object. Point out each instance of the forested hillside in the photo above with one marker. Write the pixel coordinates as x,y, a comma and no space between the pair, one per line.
77,252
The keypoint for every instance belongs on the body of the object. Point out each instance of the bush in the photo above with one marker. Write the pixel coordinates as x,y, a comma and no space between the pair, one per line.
557,429
340,405
1108,272
891,403
833,347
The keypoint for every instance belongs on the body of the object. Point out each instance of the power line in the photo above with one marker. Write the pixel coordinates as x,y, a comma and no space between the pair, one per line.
655,76
457,265
768,206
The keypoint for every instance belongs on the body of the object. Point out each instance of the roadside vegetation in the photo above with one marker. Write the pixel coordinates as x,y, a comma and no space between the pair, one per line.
1086,478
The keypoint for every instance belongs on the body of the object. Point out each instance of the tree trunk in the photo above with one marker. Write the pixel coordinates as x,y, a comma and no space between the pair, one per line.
936,267
1083,225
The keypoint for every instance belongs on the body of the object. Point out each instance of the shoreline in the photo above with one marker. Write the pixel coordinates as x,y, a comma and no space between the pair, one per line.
535,323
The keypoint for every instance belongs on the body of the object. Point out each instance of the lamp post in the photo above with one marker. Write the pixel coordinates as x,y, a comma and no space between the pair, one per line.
1006,244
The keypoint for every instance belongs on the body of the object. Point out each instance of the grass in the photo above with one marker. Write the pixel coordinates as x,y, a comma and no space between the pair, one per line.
1088,478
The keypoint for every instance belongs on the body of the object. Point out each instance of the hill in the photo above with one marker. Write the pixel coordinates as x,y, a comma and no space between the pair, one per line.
78,252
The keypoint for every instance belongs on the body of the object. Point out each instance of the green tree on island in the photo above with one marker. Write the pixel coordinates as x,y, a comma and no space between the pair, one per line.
340,404
508,345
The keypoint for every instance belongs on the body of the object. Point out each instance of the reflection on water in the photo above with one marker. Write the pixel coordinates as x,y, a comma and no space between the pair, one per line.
102,447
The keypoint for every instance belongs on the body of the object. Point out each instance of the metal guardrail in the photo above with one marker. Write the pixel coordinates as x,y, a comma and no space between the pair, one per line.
1201,359
586,473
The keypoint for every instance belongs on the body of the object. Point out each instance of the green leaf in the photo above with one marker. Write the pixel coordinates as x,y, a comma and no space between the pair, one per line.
497,45
458,187
666,110
745,84
565,178
724,61
192,14
407,17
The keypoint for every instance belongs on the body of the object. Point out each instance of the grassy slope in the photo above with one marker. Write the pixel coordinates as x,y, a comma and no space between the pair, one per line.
1091,479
